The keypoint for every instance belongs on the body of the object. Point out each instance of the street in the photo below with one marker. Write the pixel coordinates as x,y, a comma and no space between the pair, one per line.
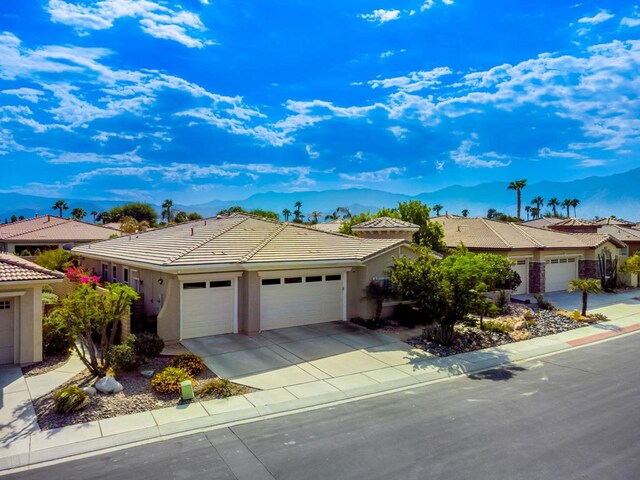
568,416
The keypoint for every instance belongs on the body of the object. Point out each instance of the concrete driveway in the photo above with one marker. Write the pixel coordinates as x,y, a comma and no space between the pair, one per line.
613,305
298,355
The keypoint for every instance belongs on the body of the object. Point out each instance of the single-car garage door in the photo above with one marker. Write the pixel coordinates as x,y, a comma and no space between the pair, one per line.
559,272
207,308
521,267
300,300
6,331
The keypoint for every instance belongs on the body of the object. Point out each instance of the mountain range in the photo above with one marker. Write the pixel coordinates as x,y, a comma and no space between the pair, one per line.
599,196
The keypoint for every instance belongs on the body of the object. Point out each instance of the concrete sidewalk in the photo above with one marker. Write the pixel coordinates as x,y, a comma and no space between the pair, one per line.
33,446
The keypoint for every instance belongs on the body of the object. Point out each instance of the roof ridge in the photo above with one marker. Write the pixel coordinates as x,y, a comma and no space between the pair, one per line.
264,243
208,239
310,228
44,227
19,262
484,221
530,237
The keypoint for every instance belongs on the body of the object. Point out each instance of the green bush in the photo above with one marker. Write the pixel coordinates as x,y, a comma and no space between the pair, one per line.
169,380
148,345
494,326
189,362
55,336
49,298
70,399
55,259
220,387
597,317
122,357
47,289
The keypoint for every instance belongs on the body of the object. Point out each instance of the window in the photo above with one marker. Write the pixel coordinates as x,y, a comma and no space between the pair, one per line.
5,304
571,260
293,280
333,278
114,273
270,281
313,279
125,275
194,285
105,272
521,262
624,251
220,284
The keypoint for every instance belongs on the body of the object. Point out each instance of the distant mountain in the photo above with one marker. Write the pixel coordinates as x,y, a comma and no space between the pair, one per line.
603,196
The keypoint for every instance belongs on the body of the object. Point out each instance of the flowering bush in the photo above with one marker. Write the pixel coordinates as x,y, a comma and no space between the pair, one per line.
81,275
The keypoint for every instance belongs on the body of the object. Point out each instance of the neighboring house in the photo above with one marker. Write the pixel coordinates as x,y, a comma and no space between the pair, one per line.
330,226
613,221
48,231
629,236
574,225
385,227
240,273
542,222
21,285
546,260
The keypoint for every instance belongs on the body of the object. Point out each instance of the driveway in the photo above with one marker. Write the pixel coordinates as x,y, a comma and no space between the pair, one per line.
613,305
298,355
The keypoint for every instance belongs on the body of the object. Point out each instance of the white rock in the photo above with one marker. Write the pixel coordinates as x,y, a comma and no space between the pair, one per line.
89,391
108,385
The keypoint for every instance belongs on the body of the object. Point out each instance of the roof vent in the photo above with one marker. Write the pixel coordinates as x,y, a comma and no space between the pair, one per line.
48,218
458,227
205,223
192,231
218,216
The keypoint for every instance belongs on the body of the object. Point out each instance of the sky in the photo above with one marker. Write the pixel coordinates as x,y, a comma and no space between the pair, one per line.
196,100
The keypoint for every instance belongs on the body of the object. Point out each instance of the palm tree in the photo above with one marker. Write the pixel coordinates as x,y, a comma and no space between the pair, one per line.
518,185
94,214
535,212
286,213
528,210
346,213
333,216
314,216
586,286
297,213
538,202
574,203
566,203
78,213
465,213
553,203
436,208
60,205
167,205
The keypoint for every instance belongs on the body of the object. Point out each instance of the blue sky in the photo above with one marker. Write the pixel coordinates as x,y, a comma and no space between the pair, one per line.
201,99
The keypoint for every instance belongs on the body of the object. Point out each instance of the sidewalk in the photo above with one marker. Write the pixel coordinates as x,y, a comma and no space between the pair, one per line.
22,443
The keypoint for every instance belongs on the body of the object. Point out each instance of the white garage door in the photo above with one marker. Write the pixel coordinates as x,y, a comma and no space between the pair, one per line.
6,331
207,308
521,267
559,272
300,300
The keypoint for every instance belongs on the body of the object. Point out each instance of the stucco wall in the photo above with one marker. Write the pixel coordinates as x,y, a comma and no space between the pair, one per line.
28,324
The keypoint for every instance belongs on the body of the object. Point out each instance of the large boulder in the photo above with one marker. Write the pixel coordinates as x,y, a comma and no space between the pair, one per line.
108,385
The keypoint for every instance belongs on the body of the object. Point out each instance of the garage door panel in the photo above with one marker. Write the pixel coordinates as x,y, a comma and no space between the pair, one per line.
559,272
207,311
6,331
294,304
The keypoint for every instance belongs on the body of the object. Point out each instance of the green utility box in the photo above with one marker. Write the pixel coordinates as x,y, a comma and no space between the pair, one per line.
187,390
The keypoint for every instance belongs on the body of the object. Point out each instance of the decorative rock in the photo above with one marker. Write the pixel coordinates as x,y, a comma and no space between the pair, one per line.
89,391
521,325
108,385
528,315
147,373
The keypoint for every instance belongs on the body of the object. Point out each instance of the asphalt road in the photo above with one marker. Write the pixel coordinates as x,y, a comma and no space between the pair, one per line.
574,415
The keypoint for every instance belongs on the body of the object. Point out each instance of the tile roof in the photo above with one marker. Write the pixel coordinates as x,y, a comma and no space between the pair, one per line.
624,234
49,228
332,226
386,223
235,239
16,269
492,235
612,221
542,222
573,222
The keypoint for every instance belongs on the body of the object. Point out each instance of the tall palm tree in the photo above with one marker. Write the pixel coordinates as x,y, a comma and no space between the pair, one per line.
332,216
314,216
286,213
346,213
60,205
535,212
518,185
538,202
528,210
436,208
297,213
586,286
78,213
465,213
167,205
94,214
574,203
553,203
566,203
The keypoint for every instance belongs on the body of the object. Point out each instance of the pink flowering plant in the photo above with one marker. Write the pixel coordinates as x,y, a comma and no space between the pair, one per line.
81,275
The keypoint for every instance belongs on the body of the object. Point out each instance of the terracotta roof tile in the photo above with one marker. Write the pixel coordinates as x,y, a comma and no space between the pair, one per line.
49,228
16,269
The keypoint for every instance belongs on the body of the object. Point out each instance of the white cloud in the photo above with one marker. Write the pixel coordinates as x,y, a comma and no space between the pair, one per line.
601,16
630,22
588,163
398,132
25,93
66,158
462,156
383,175
413,81
311,152
381,16
154,18
546,152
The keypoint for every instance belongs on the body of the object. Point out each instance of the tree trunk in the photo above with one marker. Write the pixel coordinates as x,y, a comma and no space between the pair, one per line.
584,304
378,309
519,202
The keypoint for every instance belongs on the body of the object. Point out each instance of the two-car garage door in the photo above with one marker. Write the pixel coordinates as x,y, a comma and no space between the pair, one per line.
293,300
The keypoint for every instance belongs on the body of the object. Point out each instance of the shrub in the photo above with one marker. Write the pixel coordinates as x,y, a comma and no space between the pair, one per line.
220,387
122,357
169,380
502,302
189,362
54,259
576,316
542,303
47,289
597,317
55,337
407,316
148,345
70,399
49,298
494,326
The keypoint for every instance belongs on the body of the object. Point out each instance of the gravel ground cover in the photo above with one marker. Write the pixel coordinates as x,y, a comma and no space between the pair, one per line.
46,365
